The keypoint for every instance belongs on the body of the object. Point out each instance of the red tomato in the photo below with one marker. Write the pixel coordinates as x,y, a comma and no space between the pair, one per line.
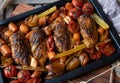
15,81
73,26
108,49
74,13
88,8
77,3
33,80
10,71
96,55
50,44
23,75
90,50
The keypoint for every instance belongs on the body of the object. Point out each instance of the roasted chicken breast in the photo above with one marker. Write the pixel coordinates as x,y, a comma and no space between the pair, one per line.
38,45
88,30
20,48
62,38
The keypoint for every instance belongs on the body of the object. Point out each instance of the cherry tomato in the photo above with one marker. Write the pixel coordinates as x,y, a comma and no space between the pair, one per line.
107,49
23,75
73,26
63,10
90,50
33,80
96,55
74,13
88,8
36,74
15,81
68,6
50,44
10,71
77,3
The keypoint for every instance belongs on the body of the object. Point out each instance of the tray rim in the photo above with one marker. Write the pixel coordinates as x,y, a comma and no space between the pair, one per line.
86,69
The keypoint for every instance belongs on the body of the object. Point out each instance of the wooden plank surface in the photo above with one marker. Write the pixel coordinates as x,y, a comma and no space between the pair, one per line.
102,79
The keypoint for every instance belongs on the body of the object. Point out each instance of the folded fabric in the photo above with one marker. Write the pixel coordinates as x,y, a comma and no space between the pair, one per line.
112,10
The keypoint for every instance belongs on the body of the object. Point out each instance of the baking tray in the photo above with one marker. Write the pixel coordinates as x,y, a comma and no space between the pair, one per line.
81,70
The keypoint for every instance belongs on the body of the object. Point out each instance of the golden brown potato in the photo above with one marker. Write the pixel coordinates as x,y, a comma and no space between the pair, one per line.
76,36
24,28
43,21
2,42
13,27
8,33
6,51
51,55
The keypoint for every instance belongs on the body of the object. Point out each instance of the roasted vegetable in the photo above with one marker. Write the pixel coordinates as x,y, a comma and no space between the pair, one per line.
32,21
78,3
73,27
10,71
55,69
43,21
83,59
50,44
74,13
74,63
24,29
99,21
23,75
68,6
33,62
96,55
8,33
34,80
87,8
51,55
15,81
71,51
103,34
6,51
47,12
76,37
12,27
36,74
106,48
53,16
5,61
31,68
2,42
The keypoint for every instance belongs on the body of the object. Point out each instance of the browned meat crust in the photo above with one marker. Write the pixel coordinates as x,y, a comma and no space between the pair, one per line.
88,30
62,38
20,49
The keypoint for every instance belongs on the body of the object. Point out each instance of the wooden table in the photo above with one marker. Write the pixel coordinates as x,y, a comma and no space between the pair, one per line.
38,3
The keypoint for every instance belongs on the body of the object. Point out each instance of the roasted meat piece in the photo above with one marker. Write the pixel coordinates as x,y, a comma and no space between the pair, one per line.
20,48
62,38
38,45
50,28
88,30
35,38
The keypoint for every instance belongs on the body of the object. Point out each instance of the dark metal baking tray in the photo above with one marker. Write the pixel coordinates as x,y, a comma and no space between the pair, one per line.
81,70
